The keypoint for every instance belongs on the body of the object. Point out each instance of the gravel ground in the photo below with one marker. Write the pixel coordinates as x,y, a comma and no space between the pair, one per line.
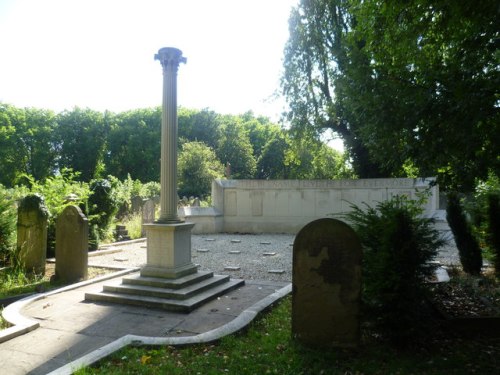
248,256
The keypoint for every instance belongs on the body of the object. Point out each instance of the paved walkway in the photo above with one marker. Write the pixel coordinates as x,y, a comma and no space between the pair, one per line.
59,332
67,332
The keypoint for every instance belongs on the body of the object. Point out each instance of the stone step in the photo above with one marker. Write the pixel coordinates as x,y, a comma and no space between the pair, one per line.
178,294
161,282
123,238
184,306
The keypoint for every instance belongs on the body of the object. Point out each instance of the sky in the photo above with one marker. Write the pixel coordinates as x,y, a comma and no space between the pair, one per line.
58,54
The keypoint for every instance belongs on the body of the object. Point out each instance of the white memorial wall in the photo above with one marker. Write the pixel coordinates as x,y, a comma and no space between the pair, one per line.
285,206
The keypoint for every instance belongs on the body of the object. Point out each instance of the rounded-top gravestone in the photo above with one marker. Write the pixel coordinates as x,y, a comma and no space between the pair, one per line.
72,244
326,284
32,216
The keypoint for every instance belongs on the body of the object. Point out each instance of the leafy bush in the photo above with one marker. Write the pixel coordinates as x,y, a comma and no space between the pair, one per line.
102,207
55,191
398,245
494,229
151,190
7,226
127,189
197,167
477,208
467,245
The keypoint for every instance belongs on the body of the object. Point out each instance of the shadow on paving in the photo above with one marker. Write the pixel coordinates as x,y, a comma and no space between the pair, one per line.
71,327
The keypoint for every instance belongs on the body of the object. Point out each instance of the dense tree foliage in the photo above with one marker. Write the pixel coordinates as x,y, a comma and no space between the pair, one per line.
403,83
199,126
234,147
36,145
197,167
133,145
82,135
27,143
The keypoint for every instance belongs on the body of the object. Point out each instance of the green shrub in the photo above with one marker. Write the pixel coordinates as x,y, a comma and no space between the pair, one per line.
494,229
467,245
8,220
151,189
398,245
102,207
55,191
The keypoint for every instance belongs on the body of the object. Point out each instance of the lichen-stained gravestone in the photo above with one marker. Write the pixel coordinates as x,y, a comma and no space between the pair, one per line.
72,235
326,284
148,214
32,216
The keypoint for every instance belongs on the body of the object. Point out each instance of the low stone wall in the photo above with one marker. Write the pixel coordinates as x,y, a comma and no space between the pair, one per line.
206,219
285,206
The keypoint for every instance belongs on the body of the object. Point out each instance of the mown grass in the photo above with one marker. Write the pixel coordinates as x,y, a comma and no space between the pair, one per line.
267,348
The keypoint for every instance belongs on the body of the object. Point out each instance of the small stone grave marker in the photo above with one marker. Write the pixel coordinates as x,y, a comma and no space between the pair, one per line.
72,244
235,252
235,241
269,254
148,214
232,268
202,250
209,239
326,278
32,216
265,243
276,271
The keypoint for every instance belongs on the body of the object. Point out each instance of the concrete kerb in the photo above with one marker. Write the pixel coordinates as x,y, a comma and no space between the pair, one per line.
22,325
237,324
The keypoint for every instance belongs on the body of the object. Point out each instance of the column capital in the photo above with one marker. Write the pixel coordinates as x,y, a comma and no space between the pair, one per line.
170,57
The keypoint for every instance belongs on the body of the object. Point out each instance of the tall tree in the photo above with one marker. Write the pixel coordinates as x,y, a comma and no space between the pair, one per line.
199,126
271,163
316,54
11,119
134,143
235,148
197,167
39,143
260,130
82,141
27,143
402,83
436,79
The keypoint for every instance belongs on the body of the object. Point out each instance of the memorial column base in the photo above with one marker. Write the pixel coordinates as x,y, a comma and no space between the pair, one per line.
169,281
168,250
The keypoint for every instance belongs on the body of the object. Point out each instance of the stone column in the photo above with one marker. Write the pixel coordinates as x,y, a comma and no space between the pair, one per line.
169,238
170,58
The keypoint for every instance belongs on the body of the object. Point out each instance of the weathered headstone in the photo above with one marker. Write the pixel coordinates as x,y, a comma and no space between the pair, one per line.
326,284
137,203
72,236
148,214
32,216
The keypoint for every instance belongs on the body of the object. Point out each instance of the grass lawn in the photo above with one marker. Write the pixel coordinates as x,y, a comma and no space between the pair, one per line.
267,348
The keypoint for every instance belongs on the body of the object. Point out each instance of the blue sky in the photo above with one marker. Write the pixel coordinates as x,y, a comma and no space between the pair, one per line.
57,54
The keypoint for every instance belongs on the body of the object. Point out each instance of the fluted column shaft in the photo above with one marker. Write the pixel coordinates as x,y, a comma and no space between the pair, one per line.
170,58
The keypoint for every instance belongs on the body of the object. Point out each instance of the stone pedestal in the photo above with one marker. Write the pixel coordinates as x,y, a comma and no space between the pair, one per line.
169,250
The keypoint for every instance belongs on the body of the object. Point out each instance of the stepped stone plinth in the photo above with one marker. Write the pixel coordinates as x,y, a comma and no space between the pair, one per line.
182,294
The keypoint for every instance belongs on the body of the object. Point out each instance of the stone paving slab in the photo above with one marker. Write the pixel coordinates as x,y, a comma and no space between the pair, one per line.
72,328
